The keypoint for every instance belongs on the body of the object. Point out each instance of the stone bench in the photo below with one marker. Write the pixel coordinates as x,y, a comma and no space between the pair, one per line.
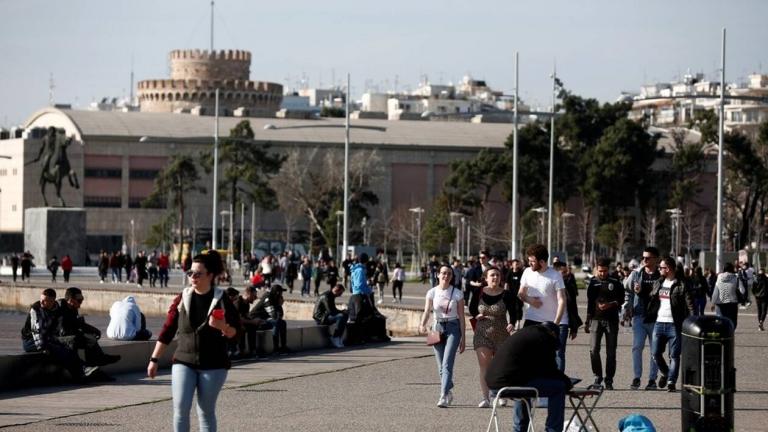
21,369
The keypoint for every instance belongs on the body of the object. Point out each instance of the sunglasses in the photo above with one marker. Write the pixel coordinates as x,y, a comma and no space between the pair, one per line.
663,268
194,275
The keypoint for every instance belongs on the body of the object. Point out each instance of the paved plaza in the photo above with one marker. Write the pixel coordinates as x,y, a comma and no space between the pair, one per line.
392,387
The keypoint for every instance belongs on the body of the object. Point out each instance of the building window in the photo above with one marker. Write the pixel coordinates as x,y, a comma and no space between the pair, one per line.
13,207
101,201
103,172
15,171
143,174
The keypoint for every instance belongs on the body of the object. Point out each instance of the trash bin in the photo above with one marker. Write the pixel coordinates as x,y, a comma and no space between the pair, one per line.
709,378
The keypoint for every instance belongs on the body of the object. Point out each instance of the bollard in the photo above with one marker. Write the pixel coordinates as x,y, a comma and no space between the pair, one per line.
709,376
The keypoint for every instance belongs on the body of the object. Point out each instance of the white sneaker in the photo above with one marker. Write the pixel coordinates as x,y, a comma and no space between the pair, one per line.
449,397
379,301
336,341
442,403
502,402
88,370
394,300
484,404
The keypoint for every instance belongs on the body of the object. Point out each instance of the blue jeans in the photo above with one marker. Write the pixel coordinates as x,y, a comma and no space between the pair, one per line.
445,354
340,321
554,390
184,381
640,332
699,304
305,284
662,333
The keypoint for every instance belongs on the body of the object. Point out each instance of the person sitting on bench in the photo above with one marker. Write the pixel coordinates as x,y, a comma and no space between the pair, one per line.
126,322
78,334
527,359
326,313
40,331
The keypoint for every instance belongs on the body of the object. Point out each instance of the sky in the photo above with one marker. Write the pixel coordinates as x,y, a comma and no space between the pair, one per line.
601,47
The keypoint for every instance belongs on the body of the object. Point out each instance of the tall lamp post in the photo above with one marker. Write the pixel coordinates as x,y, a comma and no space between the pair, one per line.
133,238
675,214
457,217
565,216
513,250
339,255
551,163
418,211
721,119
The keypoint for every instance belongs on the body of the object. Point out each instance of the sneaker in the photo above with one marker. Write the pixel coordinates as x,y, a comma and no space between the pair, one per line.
449,397
89,370
484,404
442,403
635,384
662,381
502,402
336,341
598,382
671,388
609,385
651,385
379,301
760,326
394,300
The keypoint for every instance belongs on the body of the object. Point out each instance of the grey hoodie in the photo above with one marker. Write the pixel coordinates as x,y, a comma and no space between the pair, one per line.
725,288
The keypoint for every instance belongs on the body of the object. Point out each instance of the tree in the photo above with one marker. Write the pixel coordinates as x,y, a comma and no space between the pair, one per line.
179,178
471,182
685,169
314,181
438,233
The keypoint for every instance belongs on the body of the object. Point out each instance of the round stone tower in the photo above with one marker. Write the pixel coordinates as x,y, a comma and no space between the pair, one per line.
196,74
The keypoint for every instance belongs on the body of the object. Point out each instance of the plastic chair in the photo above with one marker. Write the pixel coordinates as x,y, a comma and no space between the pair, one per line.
523,394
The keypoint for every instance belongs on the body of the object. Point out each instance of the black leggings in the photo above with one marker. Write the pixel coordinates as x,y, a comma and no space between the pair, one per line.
397,287
762,308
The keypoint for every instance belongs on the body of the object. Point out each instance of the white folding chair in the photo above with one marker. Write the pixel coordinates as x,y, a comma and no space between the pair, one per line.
523,394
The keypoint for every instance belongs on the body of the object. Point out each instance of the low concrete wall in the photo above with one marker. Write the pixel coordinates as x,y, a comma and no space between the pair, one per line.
401,321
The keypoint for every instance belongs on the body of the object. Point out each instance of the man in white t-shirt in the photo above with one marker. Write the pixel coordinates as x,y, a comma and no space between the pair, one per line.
543,291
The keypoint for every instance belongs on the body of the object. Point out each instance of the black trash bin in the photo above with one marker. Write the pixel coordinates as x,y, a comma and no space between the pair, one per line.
709,376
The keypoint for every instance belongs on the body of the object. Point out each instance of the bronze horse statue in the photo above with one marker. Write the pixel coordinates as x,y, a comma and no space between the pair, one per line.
55,164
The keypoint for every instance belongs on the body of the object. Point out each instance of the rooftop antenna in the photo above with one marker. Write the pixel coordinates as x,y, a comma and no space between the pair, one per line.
211,26
51,86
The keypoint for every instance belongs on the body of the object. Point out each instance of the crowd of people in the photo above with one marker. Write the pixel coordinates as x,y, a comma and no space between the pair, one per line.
506,298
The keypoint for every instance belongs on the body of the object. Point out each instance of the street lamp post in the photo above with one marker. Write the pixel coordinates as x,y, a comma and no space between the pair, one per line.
215,203
675,214
133,238
461,244
223,214
338,253
457,217
418,211
513,250
551,164
719,225
540,230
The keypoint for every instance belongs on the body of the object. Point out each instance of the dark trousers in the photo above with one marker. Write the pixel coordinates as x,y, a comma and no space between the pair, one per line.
15,270
66,275
152,276
730,311
762,308
598,329
279,332
61,354
163,273
397,290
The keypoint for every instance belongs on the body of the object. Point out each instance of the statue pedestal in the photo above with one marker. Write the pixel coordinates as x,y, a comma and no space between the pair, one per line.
50,231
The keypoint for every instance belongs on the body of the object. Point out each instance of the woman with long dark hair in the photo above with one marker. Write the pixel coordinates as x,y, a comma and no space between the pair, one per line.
447,303
202,319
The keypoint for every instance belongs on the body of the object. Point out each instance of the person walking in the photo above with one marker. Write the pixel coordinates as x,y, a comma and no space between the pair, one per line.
398,279
305,275
53,267
604,298
26,266
66,267
14,265
543,289
725,297
636,294
490,309
760,291
202,319
447,305
669,305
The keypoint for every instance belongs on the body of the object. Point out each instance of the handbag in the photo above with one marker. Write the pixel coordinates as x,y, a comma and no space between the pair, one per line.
473,323
434,337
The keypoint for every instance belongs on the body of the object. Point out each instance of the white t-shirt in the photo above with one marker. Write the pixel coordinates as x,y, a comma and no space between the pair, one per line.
399,274
543,286
444,305
665,307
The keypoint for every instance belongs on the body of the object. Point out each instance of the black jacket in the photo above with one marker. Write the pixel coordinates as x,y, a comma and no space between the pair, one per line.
325,306
72,324
42,325
571,292
680,300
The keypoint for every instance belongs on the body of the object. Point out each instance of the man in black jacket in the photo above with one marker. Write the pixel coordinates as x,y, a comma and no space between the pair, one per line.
604,298
527,359
40,331
78,334
326,313
669,305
